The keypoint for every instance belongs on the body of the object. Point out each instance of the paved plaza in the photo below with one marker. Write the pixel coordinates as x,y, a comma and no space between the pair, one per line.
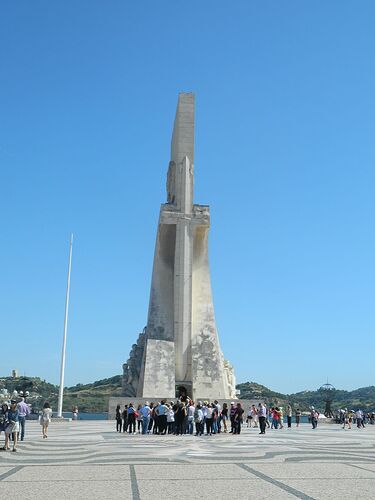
89,460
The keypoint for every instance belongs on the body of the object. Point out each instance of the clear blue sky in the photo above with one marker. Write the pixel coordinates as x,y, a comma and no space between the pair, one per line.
285,155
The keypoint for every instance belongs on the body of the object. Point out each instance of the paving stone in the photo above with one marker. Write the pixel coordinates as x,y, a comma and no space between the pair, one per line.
326,489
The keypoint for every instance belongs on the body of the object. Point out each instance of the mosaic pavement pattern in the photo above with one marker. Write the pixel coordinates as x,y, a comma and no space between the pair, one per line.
89,460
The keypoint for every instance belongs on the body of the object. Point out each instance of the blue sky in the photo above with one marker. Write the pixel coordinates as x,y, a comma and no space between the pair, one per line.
285,157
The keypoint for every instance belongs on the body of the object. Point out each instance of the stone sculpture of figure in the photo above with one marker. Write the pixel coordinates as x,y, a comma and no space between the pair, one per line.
231,379
171,183
132,368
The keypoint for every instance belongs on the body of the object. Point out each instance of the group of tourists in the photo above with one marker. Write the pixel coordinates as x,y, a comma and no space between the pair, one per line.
348,417
187,417
13,418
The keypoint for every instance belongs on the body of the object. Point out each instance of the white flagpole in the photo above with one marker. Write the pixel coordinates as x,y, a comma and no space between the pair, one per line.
61,391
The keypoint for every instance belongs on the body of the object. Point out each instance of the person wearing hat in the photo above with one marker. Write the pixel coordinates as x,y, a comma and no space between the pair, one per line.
13,426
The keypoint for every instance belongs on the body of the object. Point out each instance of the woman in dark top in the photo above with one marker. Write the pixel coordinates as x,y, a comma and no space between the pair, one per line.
118,419
224,416
3,417
13,426
179,418
125,419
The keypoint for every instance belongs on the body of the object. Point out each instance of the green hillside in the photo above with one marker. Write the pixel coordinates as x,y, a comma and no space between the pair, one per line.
363,398
91,398
94,397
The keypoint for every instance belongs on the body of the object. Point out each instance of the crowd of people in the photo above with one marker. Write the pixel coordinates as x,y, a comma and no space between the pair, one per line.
187,417
359,418
13,422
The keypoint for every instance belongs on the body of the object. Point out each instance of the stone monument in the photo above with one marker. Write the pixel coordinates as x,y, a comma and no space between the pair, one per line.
178,352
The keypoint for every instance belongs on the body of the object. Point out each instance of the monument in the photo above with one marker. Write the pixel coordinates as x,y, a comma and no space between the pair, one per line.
178,353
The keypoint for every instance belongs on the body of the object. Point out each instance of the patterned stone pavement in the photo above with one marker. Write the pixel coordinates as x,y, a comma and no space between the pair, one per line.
90,460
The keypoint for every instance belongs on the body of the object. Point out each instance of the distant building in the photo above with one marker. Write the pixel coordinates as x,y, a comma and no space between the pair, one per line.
15,374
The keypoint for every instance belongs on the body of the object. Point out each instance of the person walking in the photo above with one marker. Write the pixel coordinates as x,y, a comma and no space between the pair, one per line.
23,411
12,427
262,413
118,419
289,416
298,417
45,419
314,415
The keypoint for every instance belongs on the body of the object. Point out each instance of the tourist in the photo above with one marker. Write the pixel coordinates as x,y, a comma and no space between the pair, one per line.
170,420
254,415
289,416
179,418
209,419
314,415
198,419
232,414
204,411
125,419
190,417
262,412
238,419
131,418
45,418
281,417
155,418
348,419
24,411
275,417
359,418
151,423
216,417
118,419
161,412
224,416
249,417
298,417
3,417
12,427
138,417
267,416
145,412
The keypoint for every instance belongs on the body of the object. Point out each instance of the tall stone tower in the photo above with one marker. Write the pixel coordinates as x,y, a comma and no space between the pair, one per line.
178,352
